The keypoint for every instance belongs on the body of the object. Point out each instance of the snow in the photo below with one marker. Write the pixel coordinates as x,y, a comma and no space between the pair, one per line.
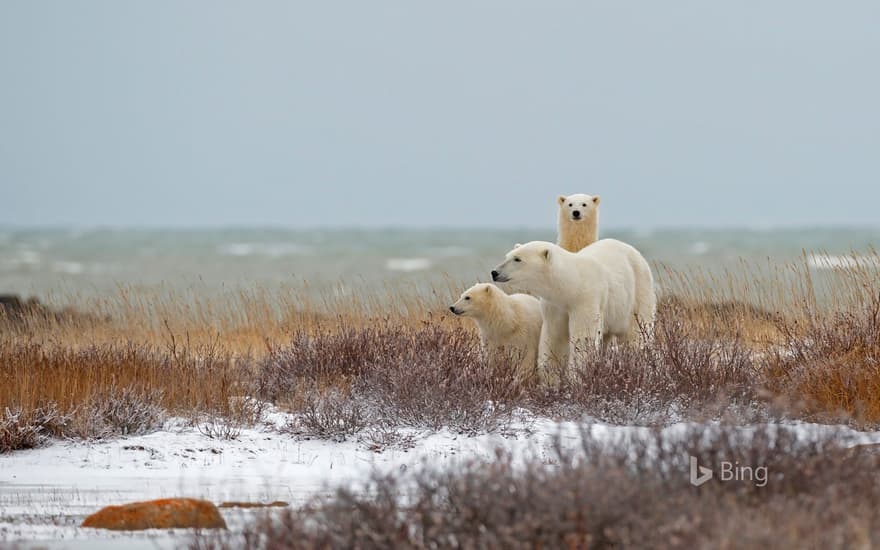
45,493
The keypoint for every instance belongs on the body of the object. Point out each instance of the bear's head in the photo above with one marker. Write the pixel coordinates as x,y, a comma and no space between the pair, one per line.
475,301
577,207
525,264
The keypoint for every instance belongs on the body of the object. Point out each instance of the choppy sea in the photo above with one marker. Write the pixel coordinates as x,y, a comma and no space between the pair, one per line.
58,264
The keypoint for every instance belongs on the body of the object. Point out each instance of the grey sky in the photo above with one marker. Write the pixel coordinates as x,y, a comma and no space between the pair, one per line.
438,113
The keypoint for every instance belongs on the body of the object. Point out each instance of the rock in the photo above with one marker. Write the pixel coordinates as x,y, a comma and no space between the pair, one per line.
166,513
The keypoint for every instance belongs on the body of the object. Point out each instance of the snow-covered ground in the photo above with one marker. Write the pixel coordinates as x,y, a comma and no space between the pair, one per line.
45,493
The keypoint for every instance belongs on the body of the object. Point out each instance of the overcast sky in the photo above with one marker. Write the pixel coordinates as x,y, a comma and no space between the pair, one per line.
412,113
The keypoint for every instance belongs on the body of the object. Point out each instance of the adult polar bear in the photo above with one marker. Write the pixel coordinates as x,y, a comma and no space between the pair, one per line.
606,289
578,223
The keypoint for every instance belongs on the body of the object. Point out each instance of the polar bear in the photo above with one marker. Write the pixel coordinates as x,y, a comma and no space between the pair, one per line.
606,290
578,221
508,323
578,228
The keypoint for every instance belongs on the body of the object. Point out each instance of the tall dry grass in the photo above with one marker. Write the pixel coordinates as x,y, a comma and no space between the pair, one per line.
238,321
754,299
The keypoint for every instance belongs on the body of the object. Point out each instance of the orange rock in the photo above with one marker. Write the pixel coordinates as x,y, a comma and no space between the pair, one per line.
166,513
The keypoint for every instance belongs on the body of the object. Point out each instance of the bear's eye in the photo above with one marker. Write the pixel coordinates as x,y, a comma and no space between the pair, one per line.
467,297
569,204
517,260
584,204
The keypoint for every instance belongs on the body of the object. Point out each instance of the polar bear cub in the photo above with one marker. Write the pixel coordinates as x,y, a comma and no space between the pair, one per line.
508,323
606,290
578,221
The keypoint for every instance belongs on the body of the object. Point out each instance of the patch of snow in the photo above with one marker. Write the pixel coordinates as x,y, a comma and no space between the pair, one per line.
45,493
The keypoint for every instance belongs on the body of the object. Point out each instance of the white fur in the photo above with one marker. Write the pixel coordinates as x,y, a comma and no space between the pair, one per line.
575,234
578,232
508,323
604,291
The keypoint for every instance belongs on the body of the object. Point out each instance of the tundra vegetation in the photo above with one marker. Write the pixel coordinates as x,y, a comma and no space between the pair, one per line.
779,342
760,344
626,495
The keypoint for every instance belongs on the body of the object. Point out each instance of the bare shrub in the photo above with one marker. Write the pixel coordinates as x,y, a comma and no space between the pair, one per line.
331,416
634,494
21,429
123,411
327,356
15,433
429,376
441,380
671,375
218,428
382,437
226,423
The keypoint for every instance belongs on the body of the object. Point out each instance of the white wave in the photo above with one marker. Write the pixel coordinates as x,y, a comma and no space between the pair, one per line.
272,250
104,268
699,248
829,261
448,251
70,268
236,249
407,264
27,257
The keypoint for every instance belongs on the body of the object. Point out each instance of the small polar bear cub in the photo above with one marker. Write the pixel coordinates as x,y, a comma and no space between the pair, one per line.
606,290
578,221
508,323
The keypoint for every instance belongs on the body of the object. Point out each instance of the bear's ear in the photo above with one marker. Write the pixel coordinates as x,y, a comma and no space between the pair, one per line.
560,199
517,245
596,200
488,289
546,253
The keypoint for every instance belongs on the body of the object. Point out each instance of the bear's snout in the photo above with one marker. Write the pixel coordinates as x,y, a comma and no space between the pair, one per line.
452,309
576,214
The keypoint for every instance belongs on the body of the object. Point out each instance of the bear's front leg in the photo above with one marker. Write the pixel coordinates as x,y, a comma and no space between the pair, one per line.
553,345
586,332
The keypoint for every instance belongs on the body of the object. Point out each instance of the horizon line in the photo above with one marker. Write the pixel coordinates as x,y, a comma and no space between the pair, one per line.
418,228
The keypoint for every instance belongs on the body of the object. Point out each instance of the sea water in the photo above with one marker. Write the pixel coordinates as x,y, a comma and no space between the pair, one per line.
59,263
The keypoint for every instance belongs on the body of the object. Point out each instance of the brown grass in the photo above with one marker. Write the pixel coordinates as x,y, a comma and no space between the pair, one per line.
239,322
99,391
765,340
832,364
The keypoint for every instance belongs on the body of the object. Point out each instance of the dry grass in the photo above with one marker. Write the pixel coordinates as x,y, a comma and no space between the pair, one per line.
631,495
239,322
106,390
765,340
831,364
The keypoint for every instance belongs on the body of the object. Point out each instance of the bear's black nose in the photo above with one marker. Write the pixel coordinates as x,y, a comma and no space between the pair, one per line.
452,309
494,275
576,213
